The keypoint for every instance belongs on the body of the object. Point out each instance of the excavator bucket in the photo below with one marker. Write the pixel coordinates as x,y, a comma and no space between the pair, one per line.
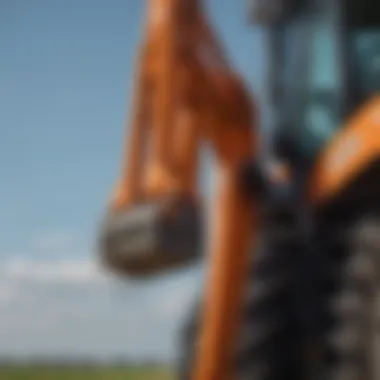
149,239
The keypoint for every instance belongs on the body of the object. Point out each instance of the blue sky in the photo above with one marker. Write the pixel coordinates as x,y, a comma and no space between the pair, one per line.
66,70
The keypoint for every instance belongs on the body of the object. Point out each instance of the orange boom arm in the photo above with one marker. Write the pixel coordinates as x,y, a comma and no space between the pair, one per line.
186,93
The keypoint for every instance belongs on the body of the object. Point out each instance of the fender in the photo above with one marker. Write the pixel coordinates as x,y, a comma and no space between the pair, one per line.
350,153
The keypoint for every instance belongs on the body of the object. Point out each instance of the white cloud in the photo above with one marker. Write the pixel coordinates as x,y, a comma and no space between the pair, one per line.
52,272
57,300
73,308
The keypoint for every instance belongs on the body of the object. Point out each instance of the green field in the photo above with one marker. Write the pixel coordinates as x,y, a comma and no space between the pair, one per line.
49,373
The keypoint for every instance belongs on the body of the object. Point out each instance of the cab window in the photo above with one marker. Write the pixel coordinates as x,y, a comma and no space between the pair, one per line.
322,86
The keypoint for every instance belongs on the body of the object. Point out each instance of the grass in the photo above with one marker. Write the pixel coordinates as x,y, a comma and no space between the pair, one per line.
62,373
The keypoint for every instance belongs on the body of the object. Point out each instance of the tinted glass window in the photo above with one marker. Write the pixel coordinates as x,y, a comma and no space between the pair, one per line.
319,107
312,78
365,54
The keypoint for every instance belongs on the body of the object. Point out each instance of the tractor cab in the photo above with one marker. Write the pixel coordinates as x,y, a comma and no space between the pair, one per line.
323,60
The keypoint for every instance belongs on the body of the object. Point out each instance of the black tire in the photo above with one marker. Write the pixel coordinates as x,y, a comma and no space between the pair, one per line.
270,344
351,342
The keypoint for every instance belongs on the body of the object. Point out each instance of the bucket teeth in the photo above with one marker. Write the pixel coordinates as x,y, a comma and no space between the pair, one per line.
151,238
